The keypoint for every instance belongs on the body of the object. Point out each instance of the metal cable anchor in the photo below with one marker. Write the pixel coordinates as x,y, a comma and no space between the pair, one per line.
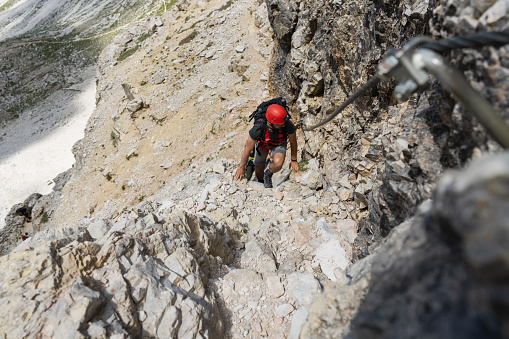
411,67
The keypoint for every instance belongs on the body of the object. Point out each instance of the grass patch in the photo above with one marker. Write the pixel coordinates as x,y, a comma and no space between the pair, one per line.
144,37
45,217
7,5
114,139
128,53
165,6
303,165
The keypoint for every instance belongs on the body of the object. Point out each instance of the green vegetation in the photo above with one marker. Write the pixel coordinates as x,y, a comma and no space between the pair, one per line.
7,5
303,165
244,119
141,198
123,187
114,140
144,37
225,147
166,5
45,217
128,53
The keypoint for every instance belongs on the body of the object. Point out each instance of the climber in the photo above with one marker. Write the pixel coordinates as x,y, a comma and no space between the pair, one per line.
269,135
25,211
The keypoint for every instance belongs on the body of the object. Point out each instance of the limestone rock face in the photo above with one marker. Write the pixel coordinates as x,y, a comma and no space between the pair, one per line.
324,50
145,278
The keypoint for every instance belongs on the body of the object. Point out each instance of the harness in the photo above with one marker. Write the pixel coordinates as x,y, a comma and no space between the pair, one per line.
270,139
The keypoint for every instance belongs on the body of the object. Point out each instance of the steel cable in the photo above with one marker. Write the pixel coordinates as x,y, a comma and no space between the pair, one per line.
472,41
364,88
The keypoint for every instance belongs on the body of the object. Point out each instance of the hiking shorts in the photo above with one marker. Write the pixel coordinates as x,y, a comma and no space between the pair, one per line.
261,155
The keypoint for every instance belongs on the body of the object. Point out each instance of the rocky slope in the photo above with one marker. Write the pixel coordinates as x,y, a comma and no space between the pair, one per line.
160,269
45,45
149,236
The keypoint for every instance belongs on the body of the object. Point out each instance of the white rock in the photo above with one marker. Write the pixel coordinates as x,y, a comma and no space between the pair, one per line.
331,255
274,286
284,309
298,319
218,168
303,287
258,257
495,13
312,179
161,145
98,229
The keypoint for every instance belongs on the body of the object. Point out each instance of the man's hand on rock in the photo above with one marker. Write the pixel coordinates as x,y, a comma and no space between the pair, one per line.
240,172
294,165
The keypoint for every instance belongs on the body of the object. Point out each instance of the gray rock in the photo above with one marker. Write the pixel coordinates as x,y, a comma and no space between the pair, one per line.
261,16
258,257
312,179
275,287
182,5
170,323
472,205
159,78
298,319
135,105
303,287
62,179
161,145
457,242
98,228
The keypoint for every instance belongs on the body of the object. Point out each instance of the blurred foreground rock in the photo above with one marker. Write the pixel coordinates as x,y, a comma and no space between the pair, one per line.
441,274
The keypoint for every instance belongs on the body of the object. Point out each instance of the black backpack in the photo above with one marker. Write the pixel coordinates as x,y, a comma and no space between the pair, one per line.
259,114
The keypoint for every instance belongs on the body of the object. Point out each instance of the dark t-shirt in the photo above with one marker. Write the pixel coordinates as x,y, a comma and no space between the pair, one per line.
256,131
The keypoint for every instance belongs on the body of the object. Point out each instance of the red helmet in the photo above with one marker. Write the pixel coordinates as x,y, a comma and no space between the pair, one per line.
276,114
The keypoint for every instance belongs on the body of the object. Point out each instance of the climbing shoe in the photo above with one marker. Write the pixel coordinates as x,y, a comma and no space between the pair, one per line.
267,177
